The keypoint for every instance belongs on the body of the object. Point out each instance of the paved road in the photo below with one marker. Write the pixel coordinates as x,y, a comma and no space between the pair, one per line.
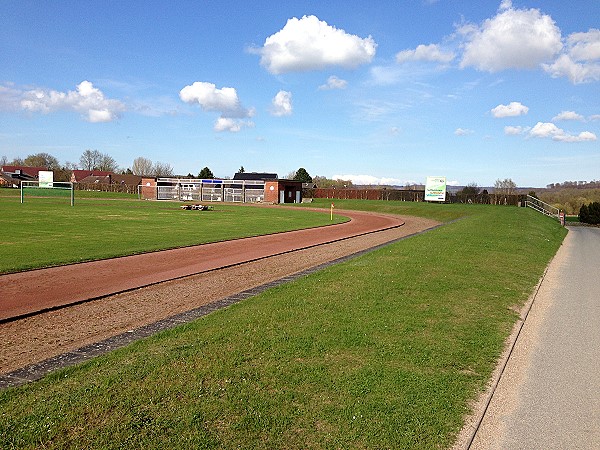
39,290
549,394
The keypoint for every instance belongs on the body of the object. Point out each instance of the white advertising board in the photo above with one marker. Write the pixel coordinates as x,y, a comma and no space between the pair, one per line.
46,178
435,189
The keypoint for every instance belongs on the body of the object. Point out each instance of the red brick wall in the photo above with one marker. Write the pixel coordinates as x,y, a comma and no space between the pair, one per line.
271,192
149,188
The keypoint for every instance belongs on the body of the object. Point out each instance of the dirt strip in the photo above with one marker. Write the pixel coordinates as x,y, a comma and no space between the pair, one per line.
37,338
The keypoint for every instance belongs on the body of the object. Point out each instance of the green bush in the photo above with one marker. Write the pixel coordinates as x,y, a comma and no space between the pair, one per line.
590,213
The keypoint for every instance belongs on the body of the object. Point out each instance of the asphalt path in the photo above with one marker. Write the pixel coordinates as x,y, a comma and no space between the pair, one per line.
549,394
34,291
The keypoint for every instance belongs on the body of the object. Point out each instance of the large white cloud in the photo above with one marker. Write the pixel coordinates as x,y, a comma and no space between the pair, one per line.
311,44
430,53
513,39
224,100
511,110
581,61
550,130
86,100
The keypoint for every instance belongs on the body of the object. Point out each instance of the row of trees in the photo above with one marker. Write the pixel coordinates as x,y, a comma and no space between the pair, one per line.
575,184
90,160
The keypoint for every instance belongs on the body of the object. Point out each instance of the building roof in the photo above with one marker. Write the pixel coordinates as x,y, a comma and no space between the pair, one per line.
26,170
254,176
79,175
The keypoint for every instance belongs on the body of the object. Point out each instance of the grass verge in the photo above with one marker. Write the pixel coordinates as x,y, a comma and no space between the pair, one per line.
384,351
47,231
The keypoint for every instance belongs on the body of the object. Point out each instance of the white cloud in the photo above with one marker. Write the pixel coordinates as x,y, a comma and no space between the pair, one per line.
568,115
463,132
86,100
210,98
231,125
594,117
429,53
513,39
581,137
584,46
282,104
224,100
311,44
564,66
333,82
515,131
368,180
580,63
513,109
549,130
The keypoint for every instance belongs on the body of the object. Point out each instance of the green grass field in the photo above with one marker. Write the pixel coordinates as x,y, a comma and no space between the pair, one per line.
44,232
384,351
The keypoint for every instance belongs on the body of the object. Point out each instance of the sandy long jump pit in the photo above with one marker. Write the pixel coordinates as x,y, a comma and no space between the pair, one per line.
131,292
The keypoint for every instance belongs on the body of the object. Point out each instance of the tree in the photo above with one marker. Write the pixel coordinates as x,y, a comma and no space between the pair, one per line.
107,164
206,173
470,189
302,175
590,213
162,170
42,160
90,159
142,166
324,182
505,187
241,170
3,161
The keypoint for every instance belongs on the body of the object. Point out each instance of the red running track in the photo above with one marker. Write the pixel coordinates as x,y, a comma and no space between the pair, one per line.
27,293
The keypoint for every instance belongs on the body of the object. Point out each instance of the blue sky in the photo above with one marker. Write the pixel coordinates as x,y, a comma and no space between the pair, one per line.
473,91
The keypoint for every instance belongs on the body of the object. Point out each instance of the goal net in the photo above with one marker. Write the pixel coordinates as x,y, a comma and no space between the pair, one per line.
40,190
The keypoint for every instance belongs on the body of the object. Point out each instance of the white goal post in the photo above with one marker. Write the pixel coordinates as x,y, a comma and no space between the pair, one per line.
54,189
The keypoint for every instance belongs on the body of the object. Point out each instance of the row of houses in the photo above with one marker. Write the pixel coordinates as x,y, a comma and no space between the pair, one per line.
244,187
12,176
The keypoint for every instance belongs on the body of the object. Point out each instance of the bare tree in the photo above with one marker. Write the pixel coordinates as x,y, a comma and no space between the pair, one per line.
162,170
142,166
505,187
90,160
107,164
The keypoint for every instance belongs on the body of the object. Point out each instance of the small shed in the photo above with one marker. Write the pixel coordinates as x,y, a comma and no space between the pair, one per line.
283,191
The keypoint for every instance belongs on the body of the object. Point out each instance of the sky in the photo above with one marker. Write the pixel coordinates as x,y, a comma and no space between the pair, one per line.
389,94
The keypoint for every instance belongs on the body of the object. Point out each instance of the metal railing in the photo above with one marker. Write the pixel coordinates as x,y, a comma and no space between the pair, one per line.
543,207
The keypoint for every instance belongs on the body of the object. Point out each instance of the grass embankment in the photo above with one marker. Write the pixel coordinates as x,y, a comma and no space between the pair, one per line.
47,231
383,351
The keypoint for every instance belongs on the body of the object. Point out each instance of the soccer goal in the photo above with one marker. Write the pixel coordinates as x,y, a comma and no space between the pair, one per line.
39,189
